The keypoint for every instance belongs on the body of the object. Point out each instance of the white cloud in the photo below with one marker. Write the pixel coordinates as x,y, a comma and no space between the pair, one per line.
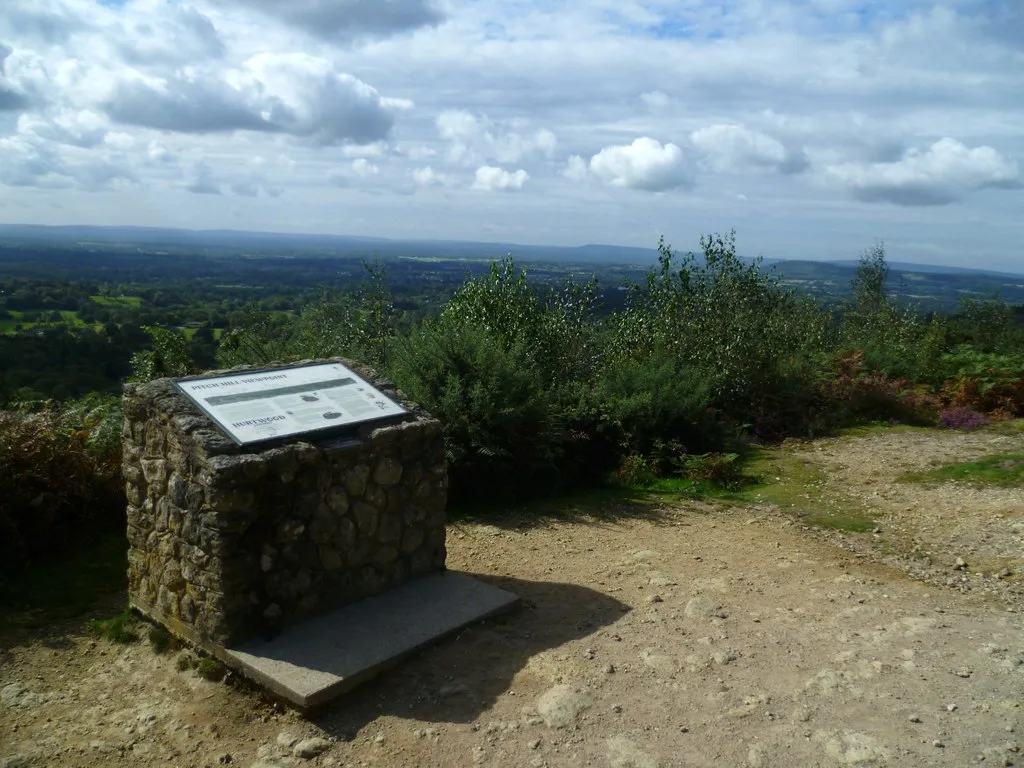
170,34
656,100
428,177
939,175
346,20
12,99
493,179
363,168
737,149
99,95
397,105
158,153
202,181
255,185
80,128
473,139
645,164
293,93
576,169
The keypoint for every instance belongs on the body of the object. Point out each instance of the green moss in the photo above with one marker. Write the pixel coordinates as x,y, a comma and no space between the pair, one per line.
797,485
1004,470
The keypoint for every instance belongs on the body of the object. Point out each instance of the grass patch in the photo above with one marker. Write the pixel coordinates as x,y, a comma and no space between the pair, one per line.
117,629
876,428
117,301
1005,470
1010,427
796,485
211,669
160,640
67,588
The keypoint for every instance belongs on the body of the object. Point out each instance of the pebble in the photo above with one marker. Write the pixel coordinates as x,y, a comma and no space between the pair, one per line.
938,744
561,705
315,746
535,744
915,718
287,740
951,707
700,607
655,599
609,669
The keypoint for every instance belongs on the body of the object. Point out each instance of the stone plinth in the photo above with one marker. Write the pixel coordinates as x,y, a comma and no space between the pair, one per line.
229,543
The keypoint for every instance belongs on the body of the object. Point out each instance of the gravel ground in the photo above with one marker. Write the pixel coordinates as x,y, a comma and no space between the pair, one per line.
685,635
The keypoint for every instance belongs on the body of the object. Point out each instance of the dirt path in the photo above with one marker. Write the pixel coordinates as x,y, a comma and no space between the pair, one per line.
690,636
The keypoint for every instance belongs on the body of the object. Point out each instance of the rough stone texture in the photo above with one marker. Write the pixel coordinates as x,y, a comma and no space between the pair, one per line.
229,542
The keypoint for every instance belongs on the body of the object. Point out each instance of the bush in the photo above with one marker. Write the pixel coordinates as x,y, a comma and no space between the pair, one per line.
59,477
502,434
160,640
726,317
640,404
211,669
964,419
117,630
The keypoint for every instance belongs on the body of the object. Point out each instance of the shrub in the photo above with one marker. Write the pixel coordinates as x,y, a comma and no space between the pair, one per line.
160,640
633,471
502,434
964,419
722,469
987,382
357,325
211,669
59,477
724,316
117,629
168,355
642,403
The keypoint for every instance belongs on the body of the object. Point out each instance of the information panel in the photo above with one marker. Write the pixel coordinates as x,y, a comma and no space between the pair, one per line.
256,406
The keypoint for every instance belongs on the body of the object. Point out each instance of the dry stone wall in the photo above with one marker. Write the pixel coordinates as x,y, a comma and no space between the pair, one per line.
227,543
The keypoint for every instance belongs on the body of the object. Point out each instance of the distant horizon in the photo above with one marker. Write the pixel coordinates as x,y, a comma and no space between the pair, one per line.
812,127
651,250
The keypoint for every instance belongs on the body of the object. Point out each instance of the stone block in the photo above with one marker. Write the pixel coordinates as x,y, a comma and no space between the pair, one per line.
225,542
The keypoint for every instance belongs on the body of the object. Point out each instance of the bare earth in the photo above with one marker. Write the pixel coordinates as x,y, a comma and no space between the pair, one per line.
695,635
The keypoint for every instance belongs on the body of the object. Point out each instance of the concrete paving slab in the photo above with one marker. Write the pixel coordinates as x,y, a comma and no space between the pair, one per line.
315,661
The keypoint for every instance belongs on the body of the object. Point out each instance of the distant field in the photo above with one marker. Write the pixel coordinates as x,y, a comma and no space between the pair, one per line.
118,301
190,332
8,326
68,318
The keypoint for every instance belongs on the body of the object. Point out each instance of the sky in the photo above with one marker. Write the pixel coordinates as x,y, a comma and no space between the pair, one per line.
813,128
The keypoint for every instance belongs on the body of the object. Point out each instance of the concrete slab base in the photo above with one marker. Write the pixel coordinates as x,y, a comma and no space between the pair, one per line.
315,661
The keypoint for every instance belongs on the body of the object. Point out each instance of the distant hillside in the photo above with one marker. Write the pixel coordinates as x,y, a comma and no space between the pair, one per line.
931,286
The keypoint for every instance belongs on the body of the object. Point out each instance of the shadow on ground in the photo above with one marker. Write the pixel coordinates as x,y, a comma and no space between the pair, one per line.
585,507
461,677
